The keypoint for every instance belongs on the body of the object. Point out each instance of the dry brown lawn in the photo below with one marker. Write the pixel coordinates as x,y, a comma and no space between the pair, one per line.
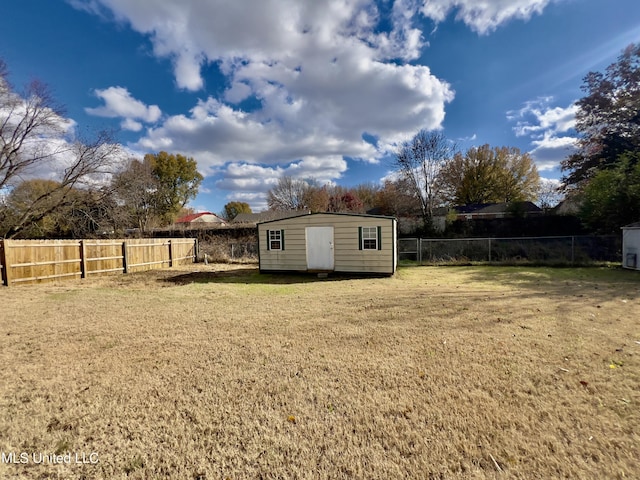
216,372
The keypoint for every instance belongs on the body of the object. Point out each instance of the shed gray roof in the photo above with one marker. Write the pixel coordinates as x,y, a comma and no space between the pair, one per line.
344,214
632,226
267,216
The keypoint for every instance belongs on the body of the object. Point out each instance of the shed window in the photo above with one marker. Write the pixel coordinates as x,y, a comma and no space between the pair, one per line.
369,238
275,239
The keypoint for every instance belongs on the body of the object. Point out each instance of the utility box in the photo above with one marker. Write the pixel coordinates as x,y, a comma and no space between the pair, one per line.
631,246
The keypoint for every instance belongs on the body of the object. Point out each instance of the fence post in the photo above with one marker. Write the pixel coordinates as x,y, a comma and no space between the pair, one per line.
125,261
489,249
83,260
419,248
171,254
573,246
6,268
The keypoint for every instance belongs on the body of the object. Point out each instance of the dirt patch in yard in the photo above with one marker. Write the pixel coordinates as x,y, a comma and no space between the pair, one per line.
216,371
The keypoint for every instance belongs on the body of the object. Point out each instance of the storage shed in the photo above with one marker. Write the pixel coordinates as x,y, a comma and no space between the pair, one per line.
329,242
631,246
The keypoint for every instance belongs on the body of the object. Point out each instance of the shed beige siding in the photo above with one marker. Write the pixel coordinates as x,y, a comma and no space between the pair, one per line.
631,248
347,255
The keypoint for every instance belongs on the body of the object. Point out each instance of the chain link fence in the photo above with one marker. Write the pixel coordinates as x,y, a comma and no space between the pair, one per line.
548,250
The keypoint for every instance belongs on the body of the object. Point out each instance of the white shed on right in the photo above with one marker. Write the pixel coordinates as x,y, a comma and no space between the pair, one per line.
631,246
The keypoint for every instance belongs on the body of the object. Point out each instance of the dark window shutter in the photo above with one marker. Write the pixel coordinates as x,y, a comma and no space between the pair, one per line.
359,238
268,241
281,239
379,238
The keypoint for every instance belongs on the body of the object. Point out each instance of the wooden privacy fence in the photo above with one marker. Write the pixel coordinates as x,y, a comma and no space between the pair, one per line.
28,261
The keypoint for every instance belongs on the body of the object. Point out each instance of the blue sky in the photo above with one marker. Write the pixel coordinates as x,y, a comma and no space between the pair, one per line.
315,89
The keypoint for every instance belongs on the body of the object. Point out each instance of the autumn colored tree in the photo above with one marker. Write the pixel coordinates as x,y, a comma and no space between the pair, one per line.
343,200
368,194
487,175
608,118
398,198
317,198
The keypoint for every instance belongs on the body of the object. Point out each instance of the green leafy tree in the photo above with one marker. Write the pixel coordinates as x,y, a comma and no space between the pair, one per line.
608,118
233,209
611,198
178,182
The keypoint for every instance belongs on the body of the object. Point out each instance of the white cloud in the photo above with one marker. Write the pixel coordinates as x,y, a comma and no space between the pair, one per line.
250,183
483,16
312,118
549,129
237,93
322,72
537,117
470,138
550,150
118,102
132,125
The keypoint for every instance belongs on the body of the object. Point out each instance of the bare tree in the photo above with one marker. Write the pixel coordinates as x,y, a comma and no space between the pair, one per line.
29,125
419,161
550,193
135,189
289,194
87,167
33,139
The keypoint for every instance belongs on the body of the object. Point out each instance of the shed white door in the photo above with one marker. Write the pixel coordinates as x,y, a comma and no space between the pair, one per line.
319,248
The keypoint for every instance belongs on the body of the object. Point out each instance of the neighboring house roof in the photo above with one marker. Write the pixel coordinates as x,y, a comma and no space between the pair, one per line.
568,206
202,217
488,208
509,207
471,208
267,216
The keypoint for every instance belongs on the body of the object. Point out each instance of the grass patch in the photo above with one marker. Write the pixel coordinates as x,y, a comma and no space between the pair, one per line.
220,372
